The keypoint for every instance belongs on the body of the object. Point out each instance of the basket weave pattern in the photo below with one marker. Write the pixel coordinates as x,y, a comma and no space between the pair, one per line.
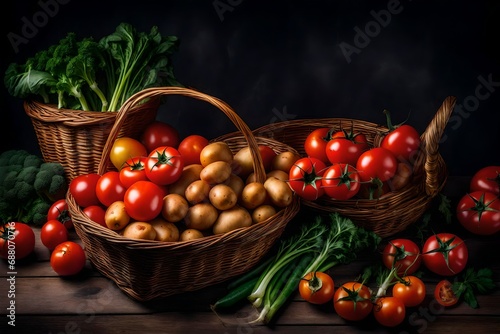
76,138
147,270
394,211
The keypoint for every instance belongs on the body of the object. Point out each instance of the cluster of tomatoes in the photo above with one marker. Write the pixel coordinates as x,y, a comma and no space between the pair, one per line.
443,254
342,164
479,210
169,190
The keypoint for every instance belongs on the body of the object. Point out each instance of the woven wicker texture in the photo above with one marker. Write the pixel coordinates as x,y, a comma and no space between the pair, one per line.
394,211
148,270
76,138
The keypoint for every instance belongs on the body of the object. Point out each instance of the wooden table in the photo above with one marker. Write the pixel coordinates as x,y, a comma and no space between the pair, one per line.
90,303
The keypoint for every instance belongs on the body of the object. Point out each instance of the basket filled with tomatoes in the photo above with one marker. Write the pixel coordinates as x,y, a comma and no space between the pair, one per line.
176,218
383,177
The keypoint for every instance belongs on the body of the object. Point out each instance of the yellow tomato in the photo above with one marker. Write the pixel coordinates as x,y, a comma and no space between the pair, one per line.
125,148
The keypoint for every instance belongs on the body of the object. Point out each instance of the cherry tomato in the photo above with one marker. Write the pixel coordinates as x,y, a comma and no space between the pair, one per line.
352,301
59,211
164,165
83,189
444,295
305,178
479,212
346,147
317,287
403,254
377,162
410,290
340,182
52,233
315,143
402,140
144,200
17,240
190,149
159,133
68,258
445,254
268,155
109,188
486,179
125,148
134,170
96,213
389,311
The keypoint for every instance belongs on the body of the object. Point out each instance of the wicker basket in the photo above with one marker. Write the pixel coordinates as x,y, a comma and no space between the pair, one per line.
147,270
394,211
76,138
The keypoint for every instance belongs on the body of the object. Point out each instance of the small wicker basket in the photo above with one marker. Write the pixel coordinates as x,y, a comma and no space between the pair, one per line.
393,212
76,138
147,270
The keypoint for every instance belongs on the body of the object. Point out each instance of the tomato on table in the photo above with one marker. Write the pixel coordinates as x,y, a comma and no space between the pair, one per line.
346,147
59,211
341,182
479,212
389,311
164,165
125,148
352,301
190,148
443,293
305,178
158,133
486,179
316,141
17,240
410,290
445,254
109,188
83,189
68,258
402,254
317,287
52,233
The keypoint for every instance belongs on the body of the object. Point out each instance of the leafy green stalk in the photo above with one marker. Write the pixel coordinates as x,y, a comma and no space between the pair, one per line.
472,281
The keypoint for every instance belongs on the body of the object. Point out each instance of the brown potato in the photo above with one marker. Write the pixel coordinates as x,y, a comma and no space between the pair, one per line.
201,216
139,230
243,162
236,183
174,207
222,197
116,217
216,151
402,177
216,172
253,195
262,213
232,219
279,192
189,174
284,161
197,192
190,234
165,230
279,174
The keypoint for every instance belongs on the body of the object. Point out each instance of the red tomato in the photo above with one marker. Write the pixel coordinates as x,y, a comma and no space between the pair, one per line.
17,240
109,188
52,233
346,147
190,149
315,143
479,212
125,148
59,211
445,254
486,179
402,140
410,290
389,311
444,295
158,134
164,165
134,170
96,213
352,301
83,189
68,258
377,163
268,155
403,254
144,200
340,182
305,178
317,288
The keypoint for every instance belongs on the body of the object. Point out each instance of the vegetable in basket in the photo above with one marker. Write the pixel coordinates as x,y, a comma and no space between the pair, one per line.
97,75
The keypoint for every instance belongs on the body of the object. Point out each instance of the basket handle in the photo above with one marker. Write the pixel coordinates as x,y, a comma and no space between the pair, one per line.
430,140
139,97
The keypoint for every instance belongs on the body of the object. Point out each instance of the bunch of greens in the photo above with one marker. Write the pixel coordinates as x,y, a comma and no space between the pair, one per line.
318,245
86,74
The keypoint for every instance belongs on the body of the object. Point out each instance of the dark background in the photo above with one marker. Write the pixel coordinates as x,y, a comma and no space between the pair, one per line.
272,60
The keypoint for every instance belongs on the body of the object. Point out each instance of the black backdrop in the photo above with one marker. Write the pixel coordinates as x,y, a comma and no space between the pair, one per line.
277,60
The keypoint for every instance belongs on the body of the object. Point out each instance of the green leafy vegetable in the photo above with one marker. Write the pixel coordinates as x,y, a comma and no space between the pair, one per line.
472,282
